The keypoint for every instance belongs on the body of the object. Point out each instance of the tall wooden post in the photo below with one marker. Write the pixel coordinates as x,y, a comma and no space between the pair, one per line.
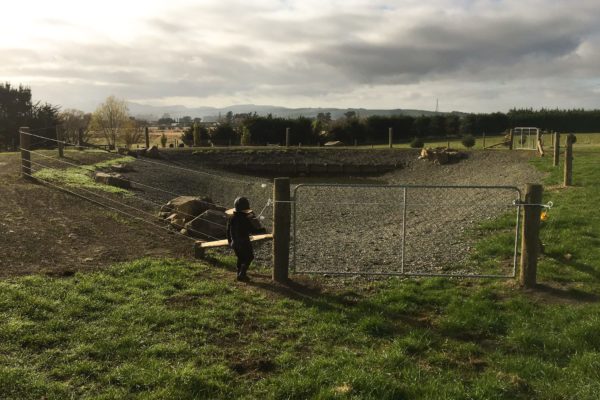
80,139
511,139
568,181
59,141
287,137
483,140
556,149
25,145
147,134
281,229
530,238
391,137
539,145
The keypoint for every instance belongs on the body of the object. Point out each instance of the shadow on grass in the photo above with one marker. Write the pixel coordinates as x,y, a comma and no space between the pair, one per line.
579,266
378,319
569,294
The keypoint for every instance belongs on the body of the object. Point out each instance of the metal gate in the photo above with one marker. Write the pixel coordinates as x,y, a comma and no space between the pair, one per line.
526,138
403,229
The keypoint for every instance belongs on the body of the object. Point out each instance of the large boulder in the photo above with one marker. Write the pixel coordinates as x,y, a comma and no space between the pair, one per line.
211,225
189,207
112,180
176,221
152,152
121,167
441,155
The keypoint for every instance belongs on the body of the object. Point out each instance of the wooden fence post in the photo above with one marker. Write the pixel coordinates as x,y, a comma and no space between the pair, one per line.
287,137
568,181
281,229
483,140
147,134
511,139
25,146
390,137
61,145
530,237
556,149
80,139
539,145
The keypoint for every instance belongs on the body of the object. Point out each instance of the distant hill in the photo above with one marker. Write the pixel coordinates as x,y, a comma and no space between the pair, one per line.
212,113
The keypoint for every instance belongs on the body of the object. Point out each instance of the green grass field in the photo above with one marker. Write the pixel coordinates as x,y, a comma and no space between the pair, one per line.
158,329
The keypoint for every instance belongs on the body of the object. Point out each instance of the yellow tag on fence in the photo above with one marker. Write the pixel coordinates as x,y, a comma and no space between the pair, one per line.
544,216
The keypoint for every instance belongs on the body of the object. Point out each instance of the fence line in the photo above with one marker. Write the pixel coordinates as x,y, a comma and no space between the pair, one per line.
83,166
129,206
263,184
121,203
89,168
107,206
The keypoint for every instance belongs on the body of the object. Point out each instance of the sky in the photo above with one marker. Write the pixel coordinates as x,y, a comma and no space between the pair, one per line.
470,55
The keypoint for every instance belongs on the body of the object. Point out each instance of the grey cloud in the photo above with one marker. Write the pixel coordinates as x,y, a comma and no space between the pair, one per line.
326,55
458,48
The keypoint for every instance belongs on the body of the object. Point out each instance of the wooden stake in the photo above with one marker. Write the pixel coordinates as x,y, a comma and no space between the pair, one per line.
390,137
61,146
511,139
530,238
281,229
484,140
287,137
556,149
80,139
538,144
25,145
568,181
147,135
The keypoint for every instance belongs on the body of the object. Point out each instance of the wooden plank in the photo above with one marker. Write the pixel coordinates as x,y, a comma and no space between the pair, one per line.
223,243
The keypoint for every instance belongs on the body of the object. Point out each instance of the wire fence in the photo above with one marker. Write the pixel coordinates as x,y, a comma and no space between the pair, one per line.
336,229
402,230
153,183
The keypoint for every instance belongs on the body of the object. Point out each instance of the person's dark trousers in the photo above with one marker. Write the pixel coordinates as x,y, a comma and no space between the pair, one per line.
244,255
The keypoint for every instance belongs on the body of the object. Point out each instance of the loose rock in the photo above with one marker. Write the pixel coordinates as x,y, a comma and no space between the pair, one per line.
112,180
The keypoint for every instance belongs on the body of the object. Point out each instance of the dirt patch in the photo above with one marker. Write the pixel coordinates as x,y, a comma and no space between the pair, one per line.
49,231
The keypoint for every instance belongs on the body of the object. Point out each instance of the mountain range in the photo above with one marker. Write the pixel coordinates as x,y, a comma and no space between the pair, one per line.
212,113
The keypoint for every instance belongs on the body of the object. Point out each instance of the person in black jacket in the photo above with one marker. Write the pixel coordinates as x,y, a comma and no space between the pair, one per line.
239,229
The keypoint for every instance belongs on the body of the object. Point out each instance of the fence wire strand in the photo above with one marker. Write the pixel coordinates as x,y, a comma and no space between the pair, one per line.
104,205
135,208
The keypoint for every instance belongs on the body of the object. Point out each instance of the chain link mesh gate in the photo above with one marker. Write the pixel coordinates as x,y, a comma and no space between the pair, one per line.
403,229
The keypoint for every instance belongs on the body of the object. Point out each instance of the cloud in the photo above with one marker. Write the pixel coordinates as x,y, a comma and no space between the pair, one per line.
480,55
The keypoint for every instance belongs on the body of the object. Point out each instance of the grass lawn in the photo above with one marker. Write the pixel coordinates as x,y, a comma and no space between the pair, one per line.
158,329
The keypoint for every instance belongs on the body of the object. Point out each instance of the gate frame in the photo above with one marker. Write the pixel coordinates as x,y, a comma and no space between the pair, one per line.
527,130
517,202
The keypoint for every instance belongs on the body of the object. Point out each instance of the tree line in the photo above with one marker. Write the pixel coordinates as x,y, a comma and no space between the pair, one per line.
352,128
111,121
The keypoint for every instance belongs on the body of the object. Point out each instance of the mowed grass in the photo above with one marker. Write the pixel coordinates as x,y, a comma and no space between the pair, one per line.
157,329
170,329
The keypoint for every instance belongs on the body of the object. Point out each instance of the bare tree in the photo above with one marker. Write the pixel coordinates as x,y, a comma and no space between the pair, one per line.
111,119
134,132
72,121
